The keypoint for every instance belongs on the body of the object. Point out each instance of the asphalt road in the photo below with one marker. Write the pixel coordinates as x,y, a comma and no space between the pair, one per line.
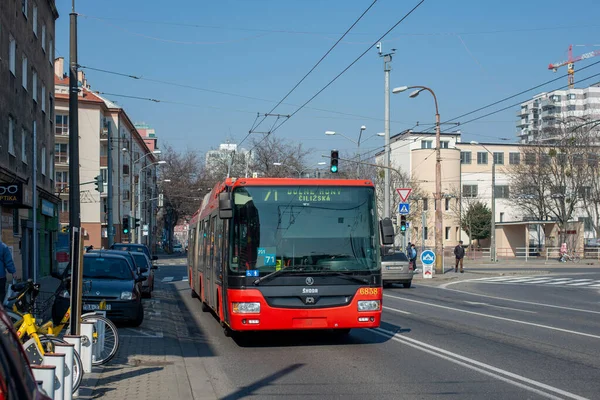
472,339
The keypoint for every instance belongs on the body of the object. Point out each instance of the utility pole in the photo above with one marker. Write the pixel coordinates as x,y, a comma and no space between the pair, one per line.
74,195
439,243
34,199
387,67
493,233
109,194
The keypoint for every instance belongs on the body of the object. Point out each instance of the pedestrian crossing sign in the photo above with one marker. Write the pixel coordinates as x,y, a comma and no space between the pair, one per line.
403,208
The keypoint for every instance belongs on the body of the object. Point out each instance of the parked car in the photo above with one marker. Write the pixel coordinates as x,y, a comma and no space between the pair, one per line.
135,267
137,247
16,379
177,248
395,268
145,265
108,277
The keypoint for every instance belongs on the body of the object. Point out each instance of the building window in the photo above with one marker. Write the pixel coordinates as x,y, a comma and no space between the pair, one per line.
465,157
11,135
501,191
571,107
24,7
588,226
62,125
51,166
426,144
592,160
43,98
44,37
61,153
425,205
514,158
425,233
447,200
444,144
34,85
482,157
501,217
571,96
23,146
447,236
530,159
51,52
43,159
499,158
24,70
469,191
61,181
12,55
34,22
555,97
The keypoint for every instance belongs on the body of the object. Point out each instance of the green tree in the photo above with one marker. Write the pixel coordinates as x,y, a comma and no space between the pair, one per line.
477,221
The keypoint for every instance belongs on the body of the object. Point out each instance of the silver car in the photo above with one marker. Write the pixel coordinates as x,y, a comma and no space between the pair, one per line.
395,268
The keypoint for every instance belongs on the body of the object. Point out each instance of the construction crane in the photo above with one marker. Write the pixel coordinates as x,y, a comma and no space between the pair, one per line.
570,63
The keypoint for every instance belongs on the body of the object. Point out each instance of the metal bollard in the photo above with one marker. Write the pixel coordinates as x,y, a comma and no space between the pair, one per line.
87,333
75,340
45,374
67,349
58,361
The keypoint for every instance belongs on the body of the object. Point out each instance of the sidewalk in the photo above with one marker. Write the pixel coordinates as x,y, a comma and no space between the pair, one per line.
162,359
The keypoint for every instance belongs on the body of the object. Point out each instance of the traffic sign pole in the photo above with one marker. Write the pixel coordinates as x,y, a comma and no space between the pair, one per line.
428,260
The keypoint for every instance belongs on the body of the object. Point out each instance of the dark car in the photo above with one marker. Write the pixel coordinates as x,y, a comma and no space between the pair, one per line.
16,379
108,277
142,260
137,268
136,247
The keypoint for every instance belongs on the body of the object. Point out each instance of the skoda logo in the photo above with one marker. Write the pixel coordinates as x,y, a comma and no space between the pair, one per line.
97,293
309,281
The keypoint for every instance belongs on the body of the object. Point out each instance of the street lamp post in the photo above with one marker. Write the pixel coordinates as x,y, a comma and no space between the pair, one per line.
357,142
139,195
132,184
493,222
439,248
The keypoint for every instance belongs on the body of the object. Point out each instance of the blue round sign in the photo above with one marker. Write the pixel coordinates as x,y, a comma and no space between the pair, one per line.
428,257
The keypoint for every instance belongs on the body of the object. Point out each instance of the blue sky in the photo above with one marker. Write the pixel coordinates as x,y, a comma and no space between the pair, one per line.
471,52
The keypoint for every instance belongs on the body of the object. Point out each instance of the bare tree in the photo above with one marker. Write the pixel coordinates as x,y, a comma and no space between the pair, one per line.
463,202
274,149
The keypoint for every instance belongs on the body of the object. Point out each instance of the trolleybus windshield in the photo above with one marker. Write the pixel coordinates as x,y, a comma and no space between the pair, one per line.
304,228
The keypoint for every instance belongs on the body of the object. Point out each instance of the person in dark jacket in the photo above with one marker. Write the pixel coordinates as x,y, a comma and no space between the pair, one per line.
6,265
459,253
413,256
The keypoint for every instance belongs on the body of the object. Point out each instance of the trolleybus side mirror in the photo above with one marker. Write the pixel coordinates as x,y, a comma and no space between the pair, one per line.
387,231
225,206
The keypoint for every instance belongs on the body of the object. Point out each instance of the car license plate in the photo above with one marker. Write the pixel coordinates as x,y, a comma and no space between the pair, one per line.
400,268
94,307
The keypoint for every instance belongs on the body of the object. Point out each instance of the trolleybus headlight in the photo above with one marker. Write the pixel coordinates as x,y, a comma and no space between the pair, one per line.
128,296
368,305
246,308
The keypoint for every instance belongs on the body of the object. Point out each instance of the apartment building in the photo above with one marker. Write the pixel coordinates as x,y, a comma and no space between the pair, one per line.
537,117
27,112
107,136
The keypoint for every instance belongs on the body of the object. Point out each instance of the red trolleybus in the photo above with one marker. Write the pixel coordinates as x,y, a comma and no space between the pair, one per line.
285,254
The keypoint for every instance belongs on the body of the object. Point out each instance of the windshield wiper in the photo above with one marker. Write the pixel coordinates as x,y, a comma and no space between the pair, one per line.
344,275
273,275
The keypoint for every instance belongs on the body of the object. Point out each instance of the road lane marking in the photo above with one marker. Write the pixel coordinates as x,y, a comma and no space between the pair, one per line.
395,309
445,287
486,369
506,308
588,282
142,334
167,279
500,318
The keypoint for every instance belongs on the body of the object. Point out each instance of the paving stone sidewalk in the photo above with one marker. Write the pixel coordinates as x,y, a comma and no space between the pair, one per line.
162,359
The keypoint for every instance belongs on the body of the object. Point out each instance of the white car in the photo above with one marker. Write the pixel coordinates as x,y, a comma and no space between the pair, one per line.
177,248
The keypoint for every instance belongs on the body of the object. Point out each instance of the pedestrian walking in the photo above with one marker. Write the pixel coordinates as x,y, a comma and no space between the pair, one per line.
6,265
459,253
413,258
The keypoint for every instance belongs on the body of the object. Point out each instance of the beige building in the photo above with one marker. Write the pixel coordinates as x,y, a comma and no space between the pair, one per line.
104,128
467,176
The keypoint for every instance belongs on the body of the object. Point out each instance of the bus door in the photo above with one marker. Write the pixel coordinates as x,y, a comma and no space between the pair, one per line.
206,248
212,264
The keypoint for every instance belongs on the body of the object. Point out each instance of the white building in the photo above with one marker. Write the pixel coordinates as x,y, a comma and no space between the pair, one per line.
216,159
546,110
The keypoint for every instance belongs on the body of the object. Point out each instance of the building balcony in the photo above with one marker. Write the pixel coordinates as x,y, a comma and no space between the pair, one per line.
61,188
522,112
104,161
549,115
522,123
547,104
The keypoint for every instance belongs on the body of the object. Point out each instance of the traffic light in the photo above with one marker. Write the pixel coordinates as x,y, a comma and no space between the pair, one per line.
99,183
136,223
126,225
334,161
403,223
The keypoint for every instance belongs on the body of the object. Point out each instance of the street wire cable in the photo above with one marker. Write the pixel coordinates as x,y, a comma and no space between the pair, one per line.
343,71
311,70
163,82
519,103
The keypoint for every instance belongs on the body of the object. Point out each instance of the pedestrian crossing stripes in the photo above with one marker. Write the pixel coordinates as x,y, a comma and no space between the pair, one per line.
537,280
168,279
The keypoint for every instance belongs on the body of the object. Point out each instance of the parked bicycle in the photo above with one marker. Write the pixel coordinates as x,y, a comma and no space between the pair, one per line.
40,339
573,257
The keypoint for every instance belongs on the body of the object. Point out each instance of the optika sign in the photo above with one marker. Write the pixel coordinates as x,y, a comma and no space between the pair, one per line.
11,194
